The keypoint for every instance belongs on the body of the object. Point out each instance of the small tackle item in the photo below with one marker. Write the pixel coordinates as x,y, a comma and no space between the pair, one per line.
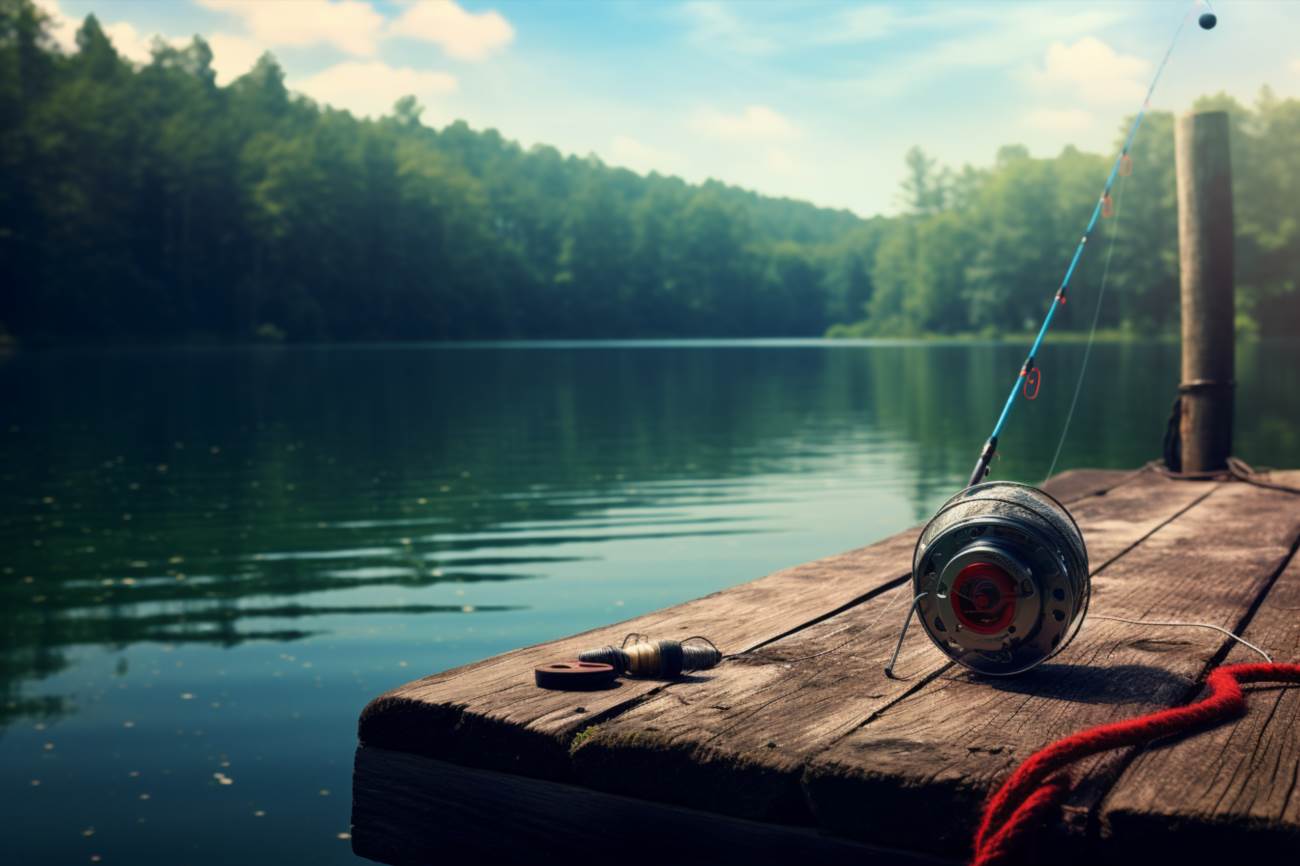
1000,576
661,659
574,675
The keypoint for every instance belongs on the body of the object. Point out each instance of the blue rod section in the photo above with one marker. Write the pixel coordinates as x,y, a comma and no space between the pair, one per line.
981,467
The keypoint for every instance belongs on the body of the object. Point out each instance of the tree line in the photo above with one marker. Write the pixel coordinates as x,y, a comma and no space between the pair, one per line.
983,250
148,203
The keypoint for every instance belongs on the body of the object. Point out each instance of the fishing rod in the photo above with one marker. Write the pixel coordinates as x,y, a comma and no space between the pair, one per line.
1000,575
1207,21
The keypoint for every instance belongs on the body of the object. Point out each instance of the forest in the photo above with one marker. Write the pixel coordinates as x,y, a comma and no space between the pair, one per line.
146,203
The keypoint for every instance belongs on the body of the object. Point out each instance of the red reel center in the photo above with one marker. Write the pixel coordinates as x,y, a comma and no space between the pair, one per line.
984,598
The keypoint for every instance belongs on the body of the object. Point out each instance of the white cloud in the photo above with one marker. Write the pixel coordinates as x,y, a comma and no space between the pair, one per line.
463,35
351,26
130,43
1295,66
778,160
134,45
232,56
357,28
630,153
1091,70
62,27
713,26
871,23
1059,120
755,123
990,38
371,87
860,24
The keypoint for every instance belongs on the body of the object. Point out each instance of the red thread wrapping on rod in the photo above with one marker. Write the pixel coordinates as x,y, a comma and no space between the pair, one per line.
1033,792
1032,383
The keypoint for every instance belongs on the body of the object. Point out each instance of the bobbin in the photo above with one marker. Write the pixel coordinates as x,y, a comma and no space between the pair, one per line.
1001,577
641,657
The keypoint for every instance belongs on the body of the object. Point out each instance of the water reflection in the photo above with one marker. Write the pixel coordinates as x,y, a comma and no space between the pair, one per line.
396,510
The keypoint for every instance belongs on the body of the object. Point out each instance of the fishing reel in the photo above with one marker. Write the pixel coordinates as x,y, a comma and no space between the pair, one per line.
1000,574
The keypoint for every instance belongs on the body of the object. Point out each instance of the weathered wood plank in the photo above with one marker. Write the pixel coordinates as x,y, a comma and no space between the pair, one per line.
490,714
1217,794
409,811
1074,485
738,743
921,769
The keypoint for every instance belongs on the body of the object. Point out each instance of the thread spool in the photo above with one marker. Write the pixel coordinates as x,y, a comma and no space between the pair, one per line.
642,657
1002,575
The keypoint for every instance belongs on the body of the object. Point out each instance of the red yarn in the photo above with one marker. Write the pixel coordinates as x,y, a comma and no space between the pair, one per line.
1032,792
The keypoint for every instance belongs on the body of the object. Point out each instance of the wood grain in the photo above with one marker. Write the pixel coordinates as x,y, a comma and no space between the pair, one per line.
490,714
923,768
1217,794
409,811
739,742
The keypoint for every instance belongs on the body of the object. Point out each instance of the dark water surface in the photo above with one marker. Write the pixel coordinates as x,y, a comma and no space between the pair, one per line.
211,559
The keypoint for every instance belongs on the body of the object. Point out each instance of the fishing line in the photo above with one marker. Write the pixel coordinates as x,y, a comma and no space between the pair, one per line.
1092,332
1103,204
889,668
839,646
1000,577
1180,624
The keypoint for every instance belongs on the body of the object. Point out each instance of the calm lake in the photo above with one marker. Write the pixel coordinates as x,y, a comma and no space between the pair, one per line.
211,559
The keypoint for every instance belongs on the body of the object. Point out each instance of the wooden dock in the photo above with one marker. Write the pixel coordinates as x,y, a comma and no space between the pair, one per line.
797,745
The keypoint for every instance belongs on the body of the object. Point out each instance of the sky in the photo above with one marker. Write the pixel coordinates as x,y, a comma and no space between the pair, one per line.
813,100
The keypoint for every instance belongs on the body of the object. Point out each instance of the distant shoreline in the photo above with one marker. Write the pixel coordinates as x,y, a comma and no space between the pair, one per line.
839,340
1103,335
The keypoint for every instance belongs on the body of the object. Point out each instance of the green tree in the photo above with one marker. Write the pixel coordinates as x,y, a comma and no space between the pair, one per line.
146,202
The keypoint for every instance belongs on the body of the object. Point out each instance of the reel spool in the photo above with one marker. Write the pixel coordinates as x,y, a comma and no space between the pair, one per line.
1002,572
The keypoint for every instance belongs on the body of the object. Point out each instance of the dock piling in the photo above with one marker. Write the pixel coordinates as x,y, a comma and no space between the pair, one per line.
1205,246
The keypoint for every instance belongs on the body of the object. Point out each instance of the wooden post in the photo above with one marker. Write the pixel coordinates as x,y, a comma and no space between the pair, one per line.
1205,241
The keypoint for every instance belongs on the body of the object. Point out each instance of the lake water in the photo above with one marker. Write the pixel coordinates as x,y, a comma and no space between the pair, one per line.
211,559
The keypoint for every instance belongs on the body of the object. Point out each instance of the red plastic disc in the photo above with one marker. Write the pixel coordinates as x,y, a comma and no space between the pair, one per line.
574,675
984,598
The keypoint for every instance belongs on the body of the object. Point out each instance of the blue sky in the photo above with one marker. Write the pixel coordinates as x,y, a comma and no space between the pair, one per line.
817,101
